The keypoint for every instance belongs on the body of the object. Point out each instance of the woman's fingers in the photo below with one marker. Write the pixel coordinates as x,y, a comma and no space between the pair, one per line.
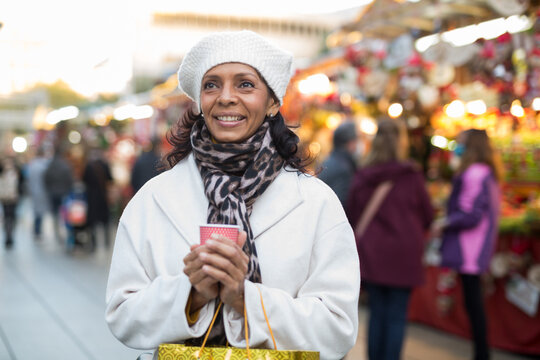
220,260
228,248
225,265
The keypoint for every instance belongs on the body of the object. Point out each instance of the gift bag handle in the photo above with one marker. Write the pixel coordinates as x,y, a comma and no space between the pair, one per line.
246,332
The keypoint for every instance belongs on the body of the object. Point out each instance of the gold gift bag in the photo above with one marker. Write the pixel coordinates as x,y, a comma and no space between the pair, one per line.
183,352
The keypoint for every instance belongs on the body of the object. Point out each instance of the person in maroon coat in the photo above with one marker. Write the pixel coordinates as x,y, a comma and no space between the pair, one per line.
392,244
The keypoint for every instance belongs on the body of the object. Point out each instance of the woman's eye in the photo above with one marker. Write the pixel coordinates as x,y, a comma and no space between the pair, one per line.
209,85
244,84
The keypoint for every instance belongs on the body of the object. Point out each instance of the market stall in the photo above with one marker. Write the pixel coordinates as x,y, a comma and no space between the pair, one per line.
442,67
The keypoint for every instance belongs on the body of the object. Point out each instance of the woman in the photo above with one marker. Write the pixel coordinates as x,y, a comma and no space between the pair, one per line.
391,247
235,163
36,189
470,226
10,184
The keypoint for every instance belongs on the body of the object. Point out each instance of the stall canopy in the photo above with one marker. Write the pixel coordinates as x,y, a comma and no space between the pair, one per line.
387,19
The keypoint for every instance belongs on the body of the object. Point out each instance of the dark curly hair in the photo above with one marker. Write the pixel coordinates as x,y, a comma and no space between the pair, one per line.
285,140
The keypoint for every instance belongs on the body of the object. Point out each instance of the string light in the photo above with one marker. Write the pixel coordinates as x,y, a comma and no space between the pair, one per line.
395,110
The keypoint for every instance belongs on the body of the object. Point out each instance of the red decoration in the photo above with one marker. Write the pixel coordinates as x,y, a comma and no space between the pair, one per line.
504,38
488,51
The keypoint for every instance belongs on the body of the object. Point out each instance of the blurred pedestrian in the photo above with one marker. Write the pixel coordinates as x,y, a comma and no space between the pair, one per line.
58,182
390,210
10,182
235,162
147,165
339,167
97,179
35,175
469,230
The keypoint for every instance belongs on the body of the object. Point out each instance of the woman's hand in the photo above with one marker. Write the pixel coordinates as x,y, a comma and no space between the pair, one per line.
227,263
204,287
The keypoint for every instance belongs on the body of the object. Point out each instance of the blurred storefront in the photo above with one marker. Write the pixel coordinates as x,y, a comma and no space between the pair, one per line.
442,67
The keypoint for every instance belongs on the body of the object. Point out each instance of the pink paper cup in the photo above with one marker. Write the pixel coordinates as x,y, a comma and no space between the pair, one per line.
229,231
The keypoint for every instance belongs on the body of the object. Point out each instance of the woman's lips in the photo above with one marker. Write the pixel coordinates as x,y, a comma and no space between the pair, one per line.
228,120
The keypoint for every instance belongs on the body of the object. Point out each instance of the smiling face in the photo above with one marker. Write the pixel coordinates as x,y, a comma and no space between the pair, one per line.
235,101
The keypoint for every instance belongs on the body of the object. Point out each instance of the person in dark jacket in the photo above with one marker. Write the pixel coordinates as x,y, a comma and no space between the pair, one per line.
10,191
338,169
146,166
97,178
58,180
391,247
469,230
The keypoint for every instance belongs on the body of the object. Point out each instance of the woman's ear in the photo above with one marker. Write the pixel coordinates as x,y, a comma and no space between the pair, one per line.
273,108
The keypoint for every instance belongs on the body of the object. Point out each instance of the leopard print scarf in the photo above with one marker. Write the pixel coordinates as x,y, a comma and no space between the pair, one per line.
234,176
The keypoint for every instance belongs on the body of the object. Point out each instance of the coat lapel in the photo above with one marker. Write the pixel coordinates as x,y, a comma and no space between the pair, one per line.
278,200
183,201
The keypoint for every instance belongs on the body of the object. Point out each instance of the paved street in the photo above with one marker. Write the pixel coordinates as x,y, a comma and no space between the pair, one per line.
52,307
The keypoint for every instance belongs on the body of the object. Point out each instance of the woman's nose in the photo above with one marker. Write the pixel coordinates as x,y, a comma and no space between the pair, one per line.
227,95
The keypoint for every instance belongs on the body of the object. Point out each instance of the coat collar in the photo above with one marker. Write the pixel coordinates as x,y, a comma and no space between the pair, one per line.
181,197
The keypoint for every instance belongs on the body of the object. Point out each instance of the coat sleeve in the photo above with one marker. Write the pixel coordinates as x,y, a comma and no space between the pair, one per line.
471,202
322,317
144,311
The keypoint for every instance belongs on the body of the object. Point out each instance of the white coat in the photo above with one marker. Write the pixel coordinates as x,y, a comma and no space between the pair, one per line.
307,254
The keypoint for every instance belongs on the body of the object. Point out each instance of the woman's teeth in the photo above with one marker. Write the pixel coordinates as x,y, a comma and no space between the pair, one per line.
229,118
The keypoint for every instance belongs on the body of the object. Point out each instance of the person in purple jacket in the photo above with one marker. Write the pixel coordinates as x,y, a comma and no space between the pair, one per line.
469,230
391,247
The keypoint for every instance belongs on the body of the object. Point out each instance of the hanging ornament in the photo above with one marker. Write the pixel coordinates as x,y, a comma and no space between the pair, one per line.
428,96
441,75
400,50
374,83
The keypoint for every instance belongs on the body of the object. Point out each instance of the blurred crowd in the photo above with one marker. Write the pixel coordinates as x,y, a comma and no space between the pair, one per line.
386,201
78,194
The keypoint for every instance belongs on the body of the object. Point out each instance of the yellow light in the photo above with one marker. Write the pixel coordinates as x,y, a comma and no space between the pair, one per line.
74,137
354,37
455,109
19,144
314,148
124,112
476,107
65,113
426,42
516,109
126,148
439,141
536,104
101,119
333,121
395,110
346,99
368,126
315,84
142,112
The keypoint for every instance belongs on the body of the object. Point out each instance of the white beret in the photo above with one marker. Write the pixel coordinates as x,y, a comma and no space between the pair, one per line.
247,47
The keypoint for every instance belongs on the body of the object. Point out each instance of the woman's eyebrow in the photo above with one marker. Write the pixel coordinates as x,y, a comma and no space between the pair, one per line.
246,74
236,76
210,77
